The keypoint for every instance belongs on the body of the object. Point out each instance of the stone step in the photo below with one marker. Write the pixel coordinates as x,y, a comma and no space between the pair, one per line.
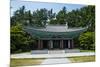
56,51
39,52
72,51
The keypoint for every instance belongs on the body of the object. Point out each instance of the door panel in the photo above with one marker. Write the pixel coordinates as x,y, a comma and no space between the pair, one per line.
56,44
65,43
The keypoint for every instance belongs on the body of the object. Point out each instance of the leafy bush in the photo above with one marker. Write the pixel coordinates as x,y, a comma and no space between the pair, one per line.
20,40
87,41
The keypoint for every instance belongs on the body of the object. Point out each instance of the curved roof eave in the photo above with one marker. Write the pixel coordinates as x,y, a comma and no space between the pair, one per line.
56,30
46,34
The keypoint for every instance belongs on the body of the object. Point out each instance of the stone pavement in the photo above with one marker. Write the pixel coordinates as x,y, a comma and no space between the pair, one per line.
52,58
56,61
50,61
29,55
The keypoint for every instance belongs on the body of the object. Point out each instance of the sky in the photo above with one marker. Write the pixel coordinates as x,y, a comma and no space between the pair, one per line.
30,5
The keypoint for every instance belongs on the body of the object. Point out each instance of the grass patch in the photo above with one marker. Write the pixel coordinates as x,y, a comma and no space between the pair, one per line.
87,50
82,59
25,62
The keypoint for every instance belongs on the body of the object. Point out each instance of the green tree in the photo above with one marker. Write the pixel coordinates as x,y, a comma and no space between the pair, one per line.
19,16
87,40
61,16
20,40
82,17
40,17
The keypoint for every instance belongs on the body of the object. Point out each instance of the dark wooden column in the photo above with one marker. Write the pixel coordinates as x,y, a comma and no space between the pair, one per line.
72,43
69,44
51,44
39,44
61,44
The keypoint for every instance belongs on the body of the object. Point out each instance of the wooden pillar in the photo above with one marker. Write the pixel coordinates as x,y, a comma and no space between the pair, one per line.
61,44
39,45
51,44
72,43
68,43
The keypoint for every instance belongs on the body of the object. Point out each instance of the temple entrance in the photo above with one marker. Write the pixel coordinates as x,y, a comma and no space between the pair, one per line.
65,44
45,44
56,44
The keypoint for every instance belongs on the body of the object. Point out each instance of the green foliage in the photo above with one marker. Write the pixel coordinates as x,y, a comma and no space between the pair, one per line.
82,17
87,40
53,21
61,16
20,40
19,16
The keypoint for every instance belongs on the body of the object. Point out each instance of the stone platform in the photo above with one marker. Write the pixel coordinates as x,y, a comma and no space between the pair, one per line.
55,51
63,55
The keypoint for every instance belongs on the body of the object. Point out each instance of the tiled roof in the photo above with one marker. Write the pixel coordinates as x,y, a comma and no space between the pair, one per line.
55,31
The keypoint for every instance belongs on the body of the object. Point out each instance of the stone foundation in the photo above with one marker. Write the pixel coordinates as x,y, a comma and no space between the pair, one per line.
55,51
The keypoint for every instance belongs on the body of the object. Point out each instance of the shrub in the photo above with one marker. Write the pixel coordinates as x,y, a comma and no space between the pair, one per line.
86,41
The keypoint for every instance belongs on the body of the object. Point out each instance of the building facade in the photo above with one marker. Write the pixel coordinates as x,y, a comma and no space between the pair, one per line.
55,36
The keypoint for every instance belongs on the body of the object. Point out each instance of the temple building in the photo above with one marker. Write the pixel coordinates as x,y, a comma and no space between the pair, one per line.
55,36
